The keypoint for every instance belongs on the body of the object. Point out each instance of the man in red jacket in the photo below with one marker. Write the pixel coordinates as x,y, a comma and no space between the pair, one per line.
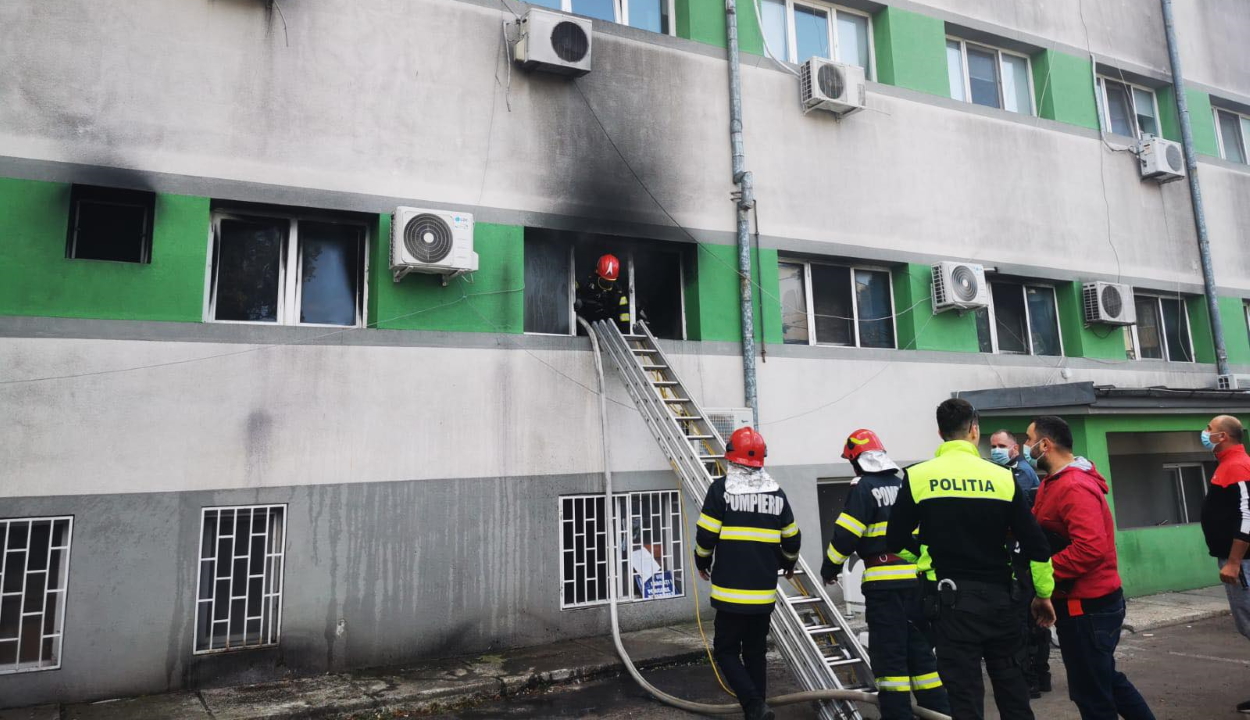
1071,506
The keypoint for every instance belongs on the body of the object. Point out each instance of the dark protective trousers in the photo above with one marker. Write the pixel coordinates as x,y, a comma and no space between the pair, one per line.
983,622
901,656
1087,643
739,648
1037,652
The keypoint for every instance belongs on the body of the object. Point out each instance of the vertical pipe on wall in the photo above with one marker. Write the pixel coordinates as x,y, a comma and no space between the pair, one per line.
1195,192
745,197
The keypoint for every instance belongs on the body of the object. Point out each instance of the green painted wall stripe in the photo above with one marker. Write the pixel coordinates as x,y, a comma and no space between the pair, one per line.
1096,341
911,51
1236,334
1064,87
704,21
919,328
719,315
1201,119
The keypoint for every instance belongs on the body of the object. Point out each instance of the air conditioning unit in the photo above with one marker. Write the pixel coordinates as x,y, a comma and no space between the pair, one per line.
1109,304
726,420
553,42
1232,382
433,242
959,286
835,87
1161,160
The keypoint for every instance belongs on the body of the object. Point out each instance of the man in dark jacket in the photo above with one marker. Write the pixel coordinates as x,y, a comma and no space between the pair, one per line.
1071,506
746,533
1226,517
602,298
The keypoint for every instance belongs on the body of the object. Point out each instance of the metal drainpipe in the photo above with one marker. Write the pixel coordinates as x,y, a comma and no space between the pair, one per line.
1195,192
745,197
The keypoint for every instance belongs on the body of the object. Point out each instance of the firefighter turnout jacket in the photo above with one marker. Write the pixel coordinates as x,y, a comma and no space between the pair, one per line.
751,534
861,529
966,509
595,302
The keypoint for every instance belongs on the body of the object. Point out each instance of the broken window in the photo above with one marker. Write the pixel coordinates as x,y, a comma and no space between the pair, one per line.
34,574
110,224
239,600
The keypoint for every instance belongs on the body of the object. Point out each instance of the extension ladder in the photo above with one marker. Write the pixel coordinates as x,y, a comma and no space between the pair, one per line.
812,635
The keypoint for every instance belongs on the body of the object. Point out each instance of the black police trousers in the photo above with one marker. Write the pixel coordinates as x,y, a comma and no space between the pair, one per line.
739,648
902,659
982,623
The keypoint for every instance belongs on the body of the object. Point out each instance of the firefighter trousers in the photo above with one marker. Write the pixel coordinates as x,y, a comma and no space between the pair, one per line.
901,656
739,647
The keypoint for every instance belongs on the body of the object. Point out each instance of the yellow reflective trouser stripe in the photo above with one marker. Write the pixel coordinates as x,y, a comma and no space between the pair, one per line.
624,301
790,530
790,556
835,556
928,681
624,317
856,527
749,533
698,550
709,523
890,572
744,597
876,530
894,683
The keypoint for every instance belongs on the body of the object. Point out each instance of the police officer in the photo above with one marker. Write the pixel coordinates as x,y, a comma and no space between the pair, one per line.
902,658
966,508
747,527
600,298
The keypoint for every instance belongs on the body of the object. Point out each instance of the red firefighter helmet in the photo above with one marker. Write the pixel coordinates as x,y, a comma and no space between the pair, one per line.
860,442
746,447
609,268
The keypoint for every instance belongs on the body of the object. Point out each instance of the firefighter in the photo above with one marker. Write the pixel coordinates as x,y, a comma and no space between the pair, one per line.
747,527
600,298
902,658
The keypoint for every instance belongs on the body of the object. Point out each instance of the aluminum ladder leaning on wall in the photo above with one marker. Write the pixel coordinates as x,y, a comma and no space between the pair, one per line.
813,637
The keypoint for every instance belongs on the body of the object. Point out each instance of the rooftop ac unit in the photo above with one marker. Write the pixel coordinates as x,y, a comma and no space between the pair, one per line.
959,286
1161,160
434,242
1109,304
553,42
1233,382
726,420
832,86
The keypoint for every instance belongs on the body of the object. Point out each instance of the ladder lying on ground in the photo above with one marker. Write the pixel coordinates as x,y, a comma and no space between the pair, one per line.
812,635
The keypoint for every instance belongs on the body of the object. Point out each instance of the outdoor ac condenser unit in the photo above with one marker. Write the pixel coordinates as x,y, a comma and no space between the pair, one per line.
1161,160
1232,382
959,286
1109,304
727,420
553,42
832,86
434,242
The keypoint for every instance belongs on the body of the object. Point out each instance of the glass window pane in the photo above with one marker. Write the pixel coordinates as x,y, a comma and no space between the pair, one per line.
1245,135
1149,337
983,76
984,340
598,9
1016,84
657,290
831,294
1230,134
876,321
1043,321
330,262
773,13
1194,488
553,4
811,32
1176,328
649,15
1009,318
1118,108
546,285
955,69
853,39
1144,105
249,265
793,303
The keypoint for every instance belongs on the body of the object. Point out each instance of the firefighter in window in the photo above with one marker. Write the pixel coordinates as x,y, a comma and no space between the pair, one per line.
601,298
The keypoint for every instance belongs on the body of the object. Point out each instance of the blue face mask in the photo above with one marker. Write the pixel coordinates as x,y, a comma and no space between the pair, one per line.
1028,455
999,456
1206,440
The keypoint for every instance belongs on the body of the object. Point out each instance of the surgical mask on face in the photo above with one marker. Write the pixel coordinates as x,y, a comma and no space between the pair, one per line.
1206,440
999,456
1028,455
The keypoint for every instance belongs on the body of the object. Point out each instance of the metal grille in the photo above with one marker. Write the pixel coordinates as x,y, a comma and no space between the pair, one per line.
34,572
650,541
239,598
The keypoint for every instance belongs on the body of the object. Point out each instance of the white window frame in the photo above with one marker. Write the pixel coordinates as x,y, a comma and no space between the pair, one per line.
277,586
58,632
792,45
999,52
1028,318
1180,487
1243,120
1104,107
809,299
672,525
290,289
620,9
1163,331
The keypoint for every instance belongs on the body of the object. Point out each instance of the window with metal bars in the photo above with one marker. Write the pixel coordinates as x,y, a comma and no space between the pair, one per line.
34,573
239,599
651,548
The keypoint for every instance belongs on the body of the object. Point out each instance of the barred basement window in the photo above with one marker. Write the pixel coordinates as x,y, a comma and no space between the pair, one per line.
649,538
34,572
239,598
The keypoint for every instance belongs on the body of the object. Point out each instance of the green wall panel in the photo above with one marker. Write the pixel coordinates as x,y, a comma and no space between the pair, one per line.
492,301
1096,341
716,290
919,328
37,279
911,51
1236,336
1064,87
1200,329
704,21
1201,119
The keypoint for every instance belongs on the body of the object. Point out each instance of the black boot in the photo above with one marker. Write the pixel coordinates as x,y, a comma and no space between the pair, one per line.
759,710
1043,682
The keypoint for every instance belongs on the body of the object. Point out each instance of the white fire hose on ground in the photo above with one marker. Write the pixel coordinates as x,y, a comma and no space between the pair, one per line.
695,707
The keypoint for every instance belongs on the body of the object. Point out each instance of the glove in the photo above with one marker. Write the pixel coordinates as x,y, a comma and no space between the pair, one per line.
831,576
